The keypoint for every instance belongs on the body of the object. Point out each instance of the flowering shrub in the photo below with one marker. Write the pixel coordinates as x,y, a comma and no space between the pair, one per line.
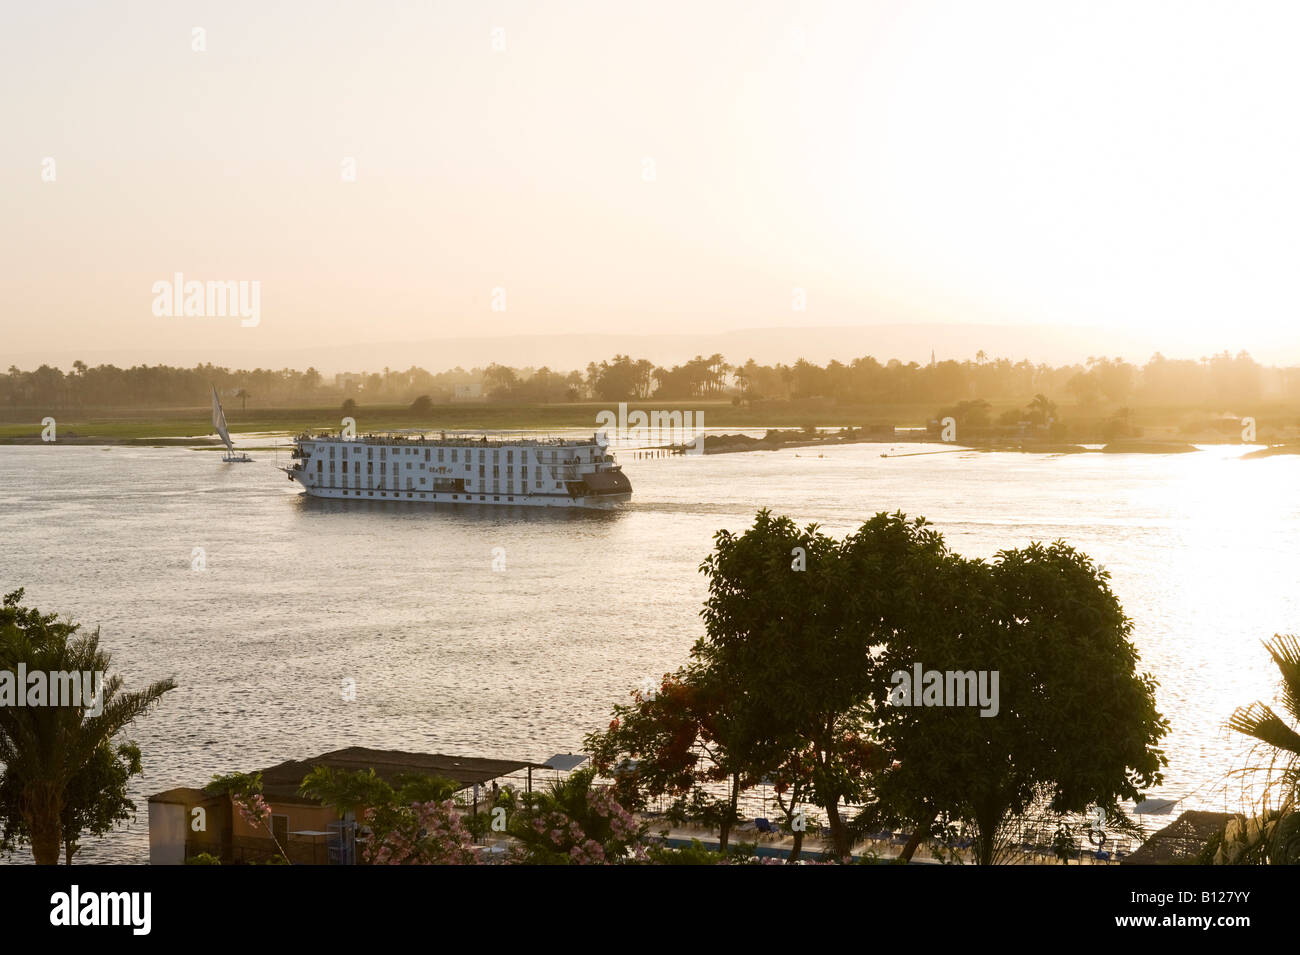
576,823
252,808
245,792
423,833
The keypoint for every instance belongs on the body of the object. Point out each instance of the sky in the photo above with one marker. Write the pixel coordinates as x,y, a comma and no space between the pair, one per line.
527,168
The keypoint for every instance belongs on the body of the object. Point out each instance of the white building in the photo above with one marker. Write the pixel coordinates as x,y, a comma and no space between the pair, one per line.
472,392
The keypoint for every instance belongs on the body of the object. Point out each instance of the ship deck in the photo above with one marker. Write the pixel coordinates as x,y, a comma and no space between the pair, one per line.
443,440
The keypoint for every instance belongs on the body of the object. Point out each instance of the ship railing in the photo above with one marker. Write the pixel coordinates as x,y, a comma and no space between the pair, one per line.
470,439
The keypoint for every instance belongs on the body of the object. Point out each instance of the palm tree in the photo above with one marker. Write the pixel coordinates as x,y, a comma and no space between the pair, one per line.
243,396
1277,830
1260,722
43,748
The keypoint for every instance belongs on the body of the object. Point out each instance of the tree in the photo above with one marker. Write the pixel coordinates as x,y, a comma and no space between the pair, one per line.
95,801
1074,724
44,748
674,741
1274,834
969,415
243,397
794,678
349,406
786,629
500,381
1042,410
422,405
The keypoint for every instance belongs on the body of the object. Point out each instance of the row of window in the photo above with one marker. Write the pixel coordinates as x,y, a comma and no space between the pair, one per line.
383,474
383,470
550,457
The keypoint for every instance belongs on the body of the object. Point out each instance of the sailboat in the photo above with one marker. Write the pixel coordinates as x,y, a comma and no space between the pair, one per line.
219,422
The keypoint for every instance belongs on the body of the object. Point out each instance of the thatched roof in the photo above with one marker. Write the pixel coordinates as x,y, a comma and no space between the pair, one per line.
1180,841
280,782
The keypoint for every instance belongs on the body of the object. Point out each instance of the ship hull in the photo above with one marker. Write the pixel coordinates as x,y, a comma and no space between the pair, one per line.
603,502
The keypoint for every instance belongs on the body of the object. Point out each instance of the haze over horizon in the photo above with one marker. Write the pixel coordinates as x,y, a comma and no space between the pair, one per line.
600,173
1060,345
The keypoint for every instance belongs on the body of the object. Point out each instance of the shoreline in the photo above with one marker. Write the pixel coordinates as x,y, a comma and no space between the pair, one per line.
726,444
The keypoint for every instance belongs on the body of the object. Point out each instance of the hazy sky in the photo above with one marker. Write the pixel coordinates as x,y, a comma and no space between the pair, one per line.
1127,163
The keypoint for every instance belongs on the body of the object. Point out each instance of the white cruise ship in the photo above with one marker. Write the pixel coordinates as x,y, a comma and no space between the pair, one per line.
460,469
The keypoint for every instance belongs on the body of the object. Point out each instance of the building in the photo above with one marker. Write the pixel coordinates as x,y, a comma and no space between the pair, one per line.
473,392
185,822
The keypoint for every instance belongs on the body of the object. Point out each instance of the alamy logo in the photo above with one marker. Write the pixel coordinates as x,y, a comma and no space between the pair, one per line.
102,908
641,429
53,688
924,687
194,299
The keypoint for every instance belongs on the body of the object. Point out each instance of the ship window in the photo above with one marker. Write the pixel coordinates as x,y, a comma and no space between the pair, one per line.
482,498
454,452
426,454
496,497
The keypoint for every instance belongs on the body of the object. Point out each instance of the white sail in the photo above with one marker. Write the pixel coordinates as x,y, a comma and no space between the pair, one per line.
219,421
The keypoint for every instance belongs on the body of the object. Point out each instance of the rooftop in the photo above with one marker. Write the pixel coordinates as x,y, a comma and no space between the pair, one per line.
280,782
443,439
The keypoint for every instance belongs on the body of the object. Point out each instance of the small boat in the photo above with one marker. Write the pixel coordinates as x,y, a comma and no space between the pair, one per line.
219,422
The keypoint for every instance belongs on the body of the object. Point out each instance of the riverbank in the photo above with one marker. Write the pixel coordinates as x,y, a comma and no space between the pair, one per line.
804,423
781,440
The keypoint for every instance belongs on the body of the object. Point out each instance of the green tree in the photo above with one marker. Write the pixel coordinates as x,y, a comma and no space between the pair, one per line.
788,629
44,748
677,741
1272,836
1074,723
95,801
